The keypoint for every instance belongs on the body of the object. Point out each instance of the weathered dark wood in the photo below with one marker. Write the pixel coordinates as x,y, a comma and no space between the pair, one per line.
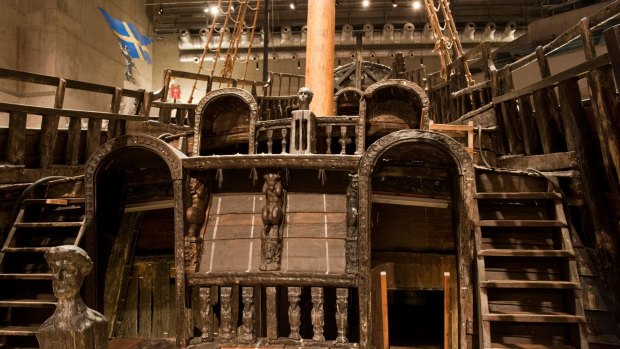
114,126
246,331
93,136
8,107
317,314
16,150
509,114
226,312
49,128
294,312
342,295
74,132
272,313
531,140
145,301
206,314
546,125
327,162
273,278
612,41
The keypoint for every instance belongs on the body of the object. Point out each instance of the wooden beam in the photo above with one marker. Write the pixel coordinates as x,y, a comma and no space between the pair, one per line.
16,151
546,162
49,128
410,201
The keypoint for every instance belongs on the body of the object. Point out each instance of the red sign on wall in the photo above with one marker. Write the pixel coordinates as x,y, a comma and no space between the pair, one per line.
175,91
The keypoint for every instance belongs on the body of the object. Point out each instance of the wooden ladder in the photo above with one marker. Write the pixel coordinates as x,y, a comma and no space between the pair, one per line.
26,297
528,285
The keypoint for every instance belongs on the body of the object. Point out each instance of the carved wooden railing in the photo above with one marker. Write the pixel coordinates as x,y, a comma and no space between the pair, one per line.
453,98
333,135
221,302
278,81
74,152
417,75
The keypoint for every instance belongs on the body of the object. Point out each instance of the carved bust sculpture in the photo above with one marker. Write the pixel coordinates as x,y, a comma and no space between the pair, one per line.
73,325
305,97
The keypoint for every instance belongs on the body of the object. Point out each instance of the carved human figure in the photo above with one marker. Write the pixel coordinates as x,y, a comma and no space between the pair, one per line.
226,314
341,314
195,214
317,314
304,95
270,255
272,211
294,312
246,331
73,325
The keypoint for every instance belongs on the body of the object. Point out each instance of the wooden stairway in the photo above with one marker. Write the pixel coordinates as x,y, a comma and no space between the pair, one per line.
26,297
528,284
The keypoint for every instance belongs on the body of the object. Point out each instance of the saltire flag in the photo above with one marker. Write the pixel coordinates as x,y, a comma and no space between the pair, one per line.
130,36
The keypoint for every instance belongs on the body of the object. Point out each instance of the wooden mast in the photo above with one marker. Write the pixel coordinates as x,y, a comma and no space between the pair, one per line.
320,55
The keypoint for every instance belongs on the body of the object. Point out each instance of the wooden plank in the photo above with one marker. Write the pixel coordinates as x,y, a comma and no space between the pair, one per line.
145,300
529,284
520,223
114,126
510,116
531,139
49,128
16,149
534,317
129,325
384,310
525,253
612,41
162,326
547,127
546,162
30,109
272,313
74,132
93,136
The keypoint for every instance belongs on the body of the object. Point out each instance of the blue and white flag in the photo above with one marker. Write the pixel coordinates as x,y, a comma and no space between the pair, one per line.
130,36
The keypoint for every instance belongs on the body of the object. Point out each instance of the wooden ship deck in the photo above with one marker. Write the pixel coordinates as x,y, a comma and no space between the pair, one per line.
426,212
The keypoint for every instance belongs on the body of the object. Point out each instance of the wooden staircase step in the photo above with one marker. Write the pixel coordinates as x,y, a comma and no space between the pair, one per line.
524,253
25,249
519,223
19,330
528,346
27,303
534,317
55,201
24,276
48,224
518,195
530,284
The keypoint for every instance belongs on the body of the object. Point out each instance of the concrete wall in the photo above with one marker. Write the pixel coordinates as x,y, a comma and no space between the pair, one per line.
70,39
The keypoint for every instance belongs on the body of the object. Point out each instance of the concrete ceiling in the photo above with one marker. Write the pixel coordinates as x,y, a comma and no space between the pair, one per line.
170,16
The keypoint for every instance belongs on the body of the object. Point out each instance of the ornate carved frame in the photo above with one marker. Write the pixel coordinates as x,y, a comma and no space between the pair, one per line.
463,230
398,83
212,96
172,157
342,92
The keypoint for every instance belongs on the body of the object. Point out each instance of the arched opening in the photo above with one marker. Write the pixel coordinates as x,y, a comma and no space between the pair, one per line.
348,101
224,119
392,105
415,225
131,190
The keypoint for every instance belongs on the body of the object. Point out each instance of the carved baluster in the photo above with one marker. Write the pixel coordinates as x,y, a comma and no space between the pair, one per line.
317,314
294,313
225,314
272,313
284,139
344,140
246,332
269,141
206,314
328,140
342,295
350,247
195,215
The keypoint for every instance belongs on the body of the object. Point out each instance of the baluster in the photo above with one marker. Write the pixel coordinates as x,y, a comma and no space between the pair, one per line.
284,139
247,330
225,314
206,314
269,141
294,313
328,140
344,140
342,304
317,314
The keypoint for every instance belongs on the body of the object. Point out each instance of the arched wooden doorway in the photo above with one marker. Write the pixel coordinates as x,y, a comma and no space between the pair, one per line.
401,175
113,174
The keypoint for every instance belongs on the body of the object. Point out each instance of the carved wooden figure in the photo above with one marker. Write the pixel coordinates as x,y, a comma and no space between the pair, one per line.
272,214
303,125
352,220
342,304
73,325
226,314
206,314
294,312
195,215
317,314
246,331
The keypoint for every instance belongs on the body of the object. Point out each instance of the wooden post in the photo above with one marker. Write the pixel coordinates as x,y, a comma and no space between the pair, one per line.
49,128
384,311
320,55
446,310
16,151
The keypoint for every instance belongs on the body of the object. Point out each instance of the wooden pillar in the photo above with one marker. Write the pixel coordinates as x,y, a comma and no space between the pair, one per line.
320,52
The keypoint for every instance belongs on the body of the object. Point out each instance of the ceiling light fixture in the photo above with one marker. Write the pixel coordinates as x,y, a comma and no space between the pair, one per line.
160,10
416,5
292,5
366,3
205,9
394,4
214,10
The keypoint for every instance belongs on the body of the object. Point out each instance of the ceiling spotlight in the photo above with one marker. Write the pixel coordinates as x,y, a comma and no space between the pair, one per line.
366,3
416,5
292,5
205,9
394,4
214,10
160,10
